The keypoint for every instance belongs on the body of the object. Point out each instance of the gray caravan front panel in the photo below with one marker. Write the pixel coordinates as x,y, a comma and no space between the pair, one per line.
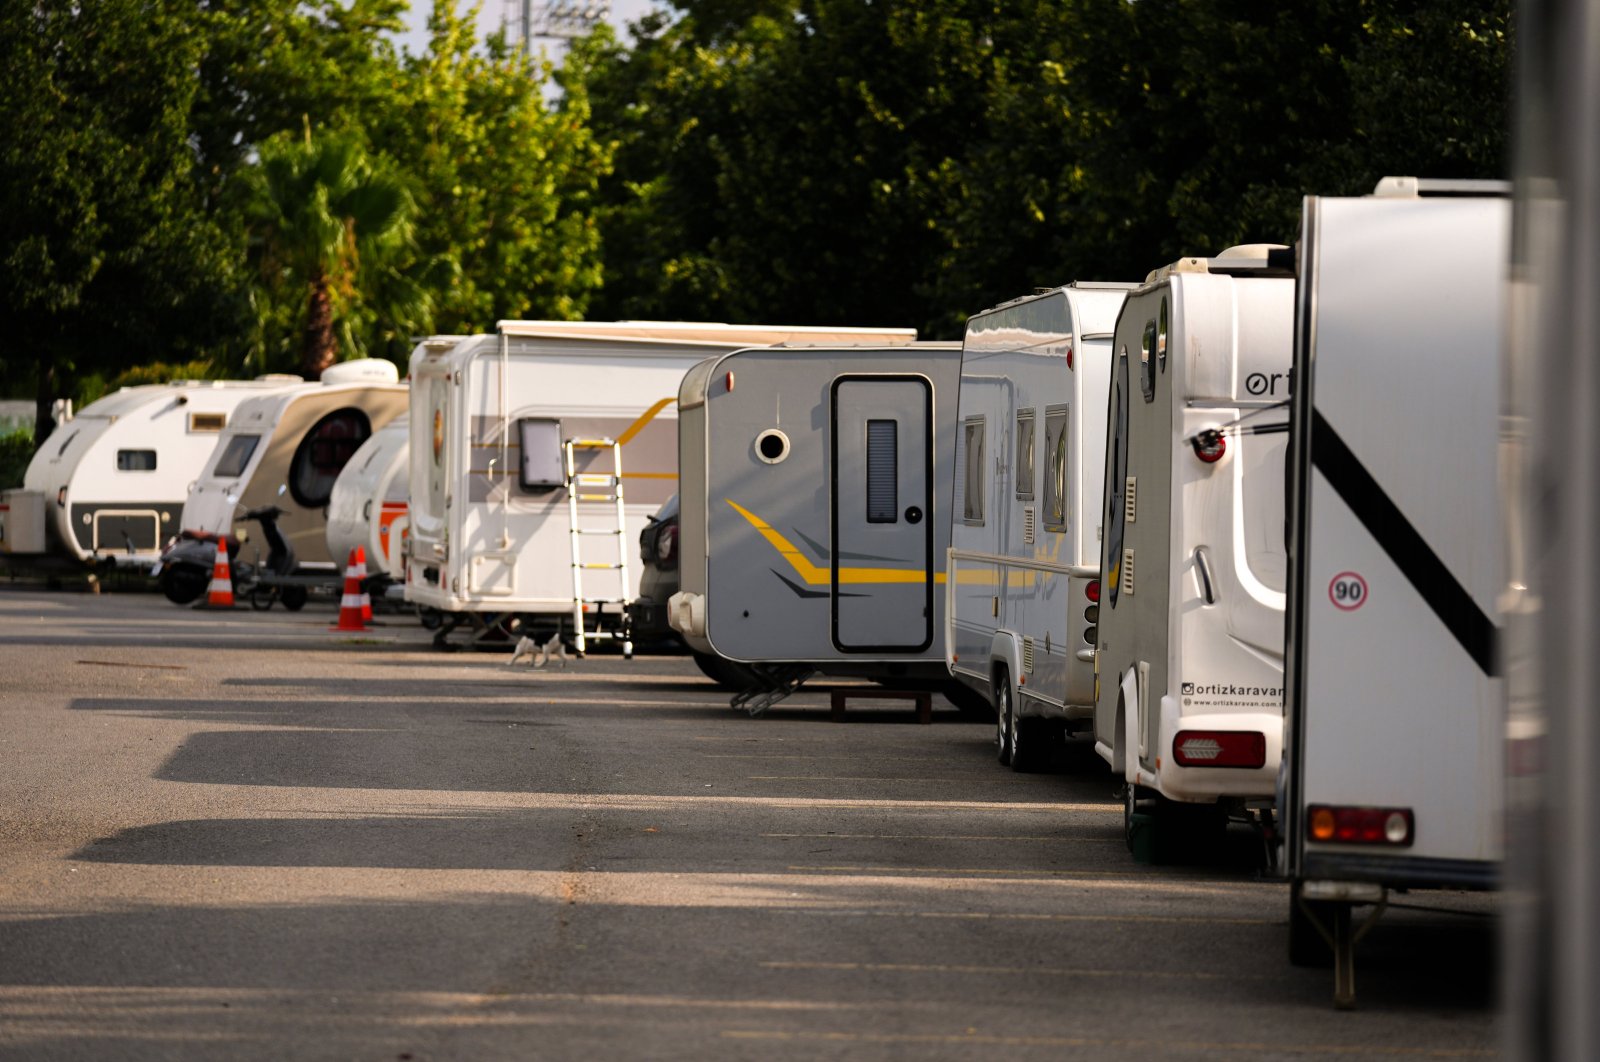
882,506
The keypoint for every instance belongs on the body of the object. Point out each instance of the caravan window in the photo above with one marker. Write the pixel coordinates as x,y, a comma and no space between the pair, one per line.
1116,482
1147,361
540,441
883,472
1055,476
972,500
323,453
1025,420
236,455
136,460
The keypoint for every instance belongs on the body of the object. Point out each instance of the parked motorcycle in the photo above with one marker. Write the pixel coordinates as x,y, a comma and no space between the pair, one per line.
184,570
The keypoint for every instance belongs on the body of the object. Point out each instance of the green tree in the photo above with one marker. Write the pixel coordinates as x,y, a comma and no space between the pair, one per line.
108,254
505,180
324,216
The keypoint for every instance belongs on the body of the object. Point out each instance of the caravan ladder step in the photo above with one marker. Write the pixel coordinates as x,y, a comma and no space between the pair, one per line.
599,485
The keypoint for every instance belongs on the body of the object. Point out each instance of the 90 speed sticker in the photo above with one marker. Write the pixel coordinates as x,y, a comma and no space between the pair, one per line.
1348,591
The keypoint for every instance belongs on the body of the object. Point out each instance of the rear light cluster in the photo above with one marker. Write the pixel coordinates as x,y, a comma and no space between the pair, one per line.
1209,446
1341,825
1220,748
667,545
1091,612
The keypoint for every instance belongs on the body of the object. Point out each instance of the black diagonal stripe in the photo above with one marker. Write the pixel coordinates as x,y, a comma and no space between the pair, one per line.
1417,562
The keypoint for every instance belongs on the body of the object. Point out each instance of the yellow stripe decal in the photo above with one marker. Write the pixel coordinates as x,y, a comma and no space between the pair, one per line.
812,575
637,426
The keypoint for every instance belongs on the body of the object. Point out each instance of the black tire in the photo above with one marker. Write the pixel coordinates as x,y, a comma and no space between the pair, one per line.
727,674
294,597
183,584
260,599
430,618
1003,708
968,701
1307,946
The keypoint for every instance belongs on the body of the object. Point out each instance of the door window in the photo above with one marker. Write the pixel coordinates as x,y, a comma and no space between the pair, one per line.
1117,478
883,472
236,455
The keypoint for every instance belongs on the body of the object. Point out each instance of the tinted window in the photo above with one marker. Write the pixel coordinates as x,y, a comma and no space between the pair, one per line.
542,464
136,460
323,453
972,438
236,454
1025,453
1055,475
1116,478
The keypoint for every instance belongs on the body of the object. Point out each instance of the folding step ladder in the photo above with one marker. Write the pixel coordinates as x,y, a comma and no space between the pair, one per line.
584,489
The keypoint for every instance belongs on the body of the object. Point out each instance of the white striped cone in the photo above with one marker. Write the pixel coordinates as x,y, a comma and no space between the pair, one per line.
359,554
220,593
350,603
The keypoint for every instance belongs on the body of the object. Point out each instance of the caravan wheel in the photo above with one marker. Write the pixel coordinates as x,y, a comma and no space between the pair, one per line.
1002,716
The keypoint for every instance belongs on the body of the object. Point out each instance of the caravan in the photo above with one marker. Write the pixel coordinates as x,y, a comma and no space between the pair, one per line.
1189,654
815,488
1395,733
108,485
538,453
285,450
1025,540
368,507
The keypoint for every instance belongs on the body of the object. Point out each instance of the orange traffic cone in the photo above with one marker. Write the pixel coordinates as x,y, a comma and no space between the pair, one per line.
358,555
350,603
220,593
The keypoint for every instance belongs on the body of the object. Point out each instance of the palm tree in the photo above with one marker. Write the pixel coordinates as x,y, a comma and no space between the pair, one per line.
325,220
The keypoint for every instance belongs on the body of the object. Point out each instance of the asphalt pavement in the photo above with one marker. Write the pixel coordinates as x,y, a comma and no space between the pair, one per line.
242,835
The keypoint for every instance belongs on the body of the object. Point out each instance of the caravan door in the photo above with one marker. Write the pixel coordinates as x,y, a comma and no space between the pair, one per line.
882,527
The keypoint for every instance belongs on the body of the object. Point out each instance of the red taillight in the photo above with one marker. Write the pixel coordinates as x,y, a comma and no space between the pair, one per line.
1091,590
1340,825
1069,355
1219,748
1209,446
667,544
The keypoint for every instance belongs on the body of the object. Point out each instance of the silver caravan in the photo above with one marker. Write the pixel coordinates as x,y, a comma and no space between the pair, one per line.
368,507
1025,541
815,483
1189,654
108,486
288,449
538,453
1394,764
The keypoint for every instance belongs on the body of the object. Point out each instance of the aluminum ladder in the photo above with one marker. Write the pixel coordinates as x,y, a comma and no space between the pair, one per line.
590,487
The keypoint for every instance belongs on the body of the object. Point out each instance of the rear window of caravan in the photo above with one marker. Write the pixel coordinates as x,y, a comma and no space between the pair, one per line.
236,454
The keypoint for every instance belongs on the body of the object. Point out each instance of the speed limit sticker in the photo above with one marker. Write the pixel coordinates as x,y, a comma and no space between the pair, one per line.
1348,591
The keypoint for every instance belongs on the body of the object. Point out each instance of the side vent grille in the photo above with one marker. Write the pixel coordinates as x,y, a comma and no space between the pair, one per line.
1027,525
1027,656
1130,504
1125,582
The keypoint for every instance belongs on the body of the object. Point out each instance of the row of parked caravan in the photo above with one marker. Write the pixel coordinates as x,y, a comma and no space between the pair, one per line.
1236,525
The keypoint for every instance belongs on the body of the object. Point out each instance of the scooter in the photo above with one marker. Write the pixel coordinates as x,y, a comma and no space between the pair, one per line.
184,570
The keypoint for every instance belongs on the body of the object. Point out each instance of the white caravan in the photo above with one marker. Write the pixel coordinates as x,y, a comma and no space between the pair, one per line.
1025,542
288,448
815,483
538,453
108,485
1394,764
1189,654
368,507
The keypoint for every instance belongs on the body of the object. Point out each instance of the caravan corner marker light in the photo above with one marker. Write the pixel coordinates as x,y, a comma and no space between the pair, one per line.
730,382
